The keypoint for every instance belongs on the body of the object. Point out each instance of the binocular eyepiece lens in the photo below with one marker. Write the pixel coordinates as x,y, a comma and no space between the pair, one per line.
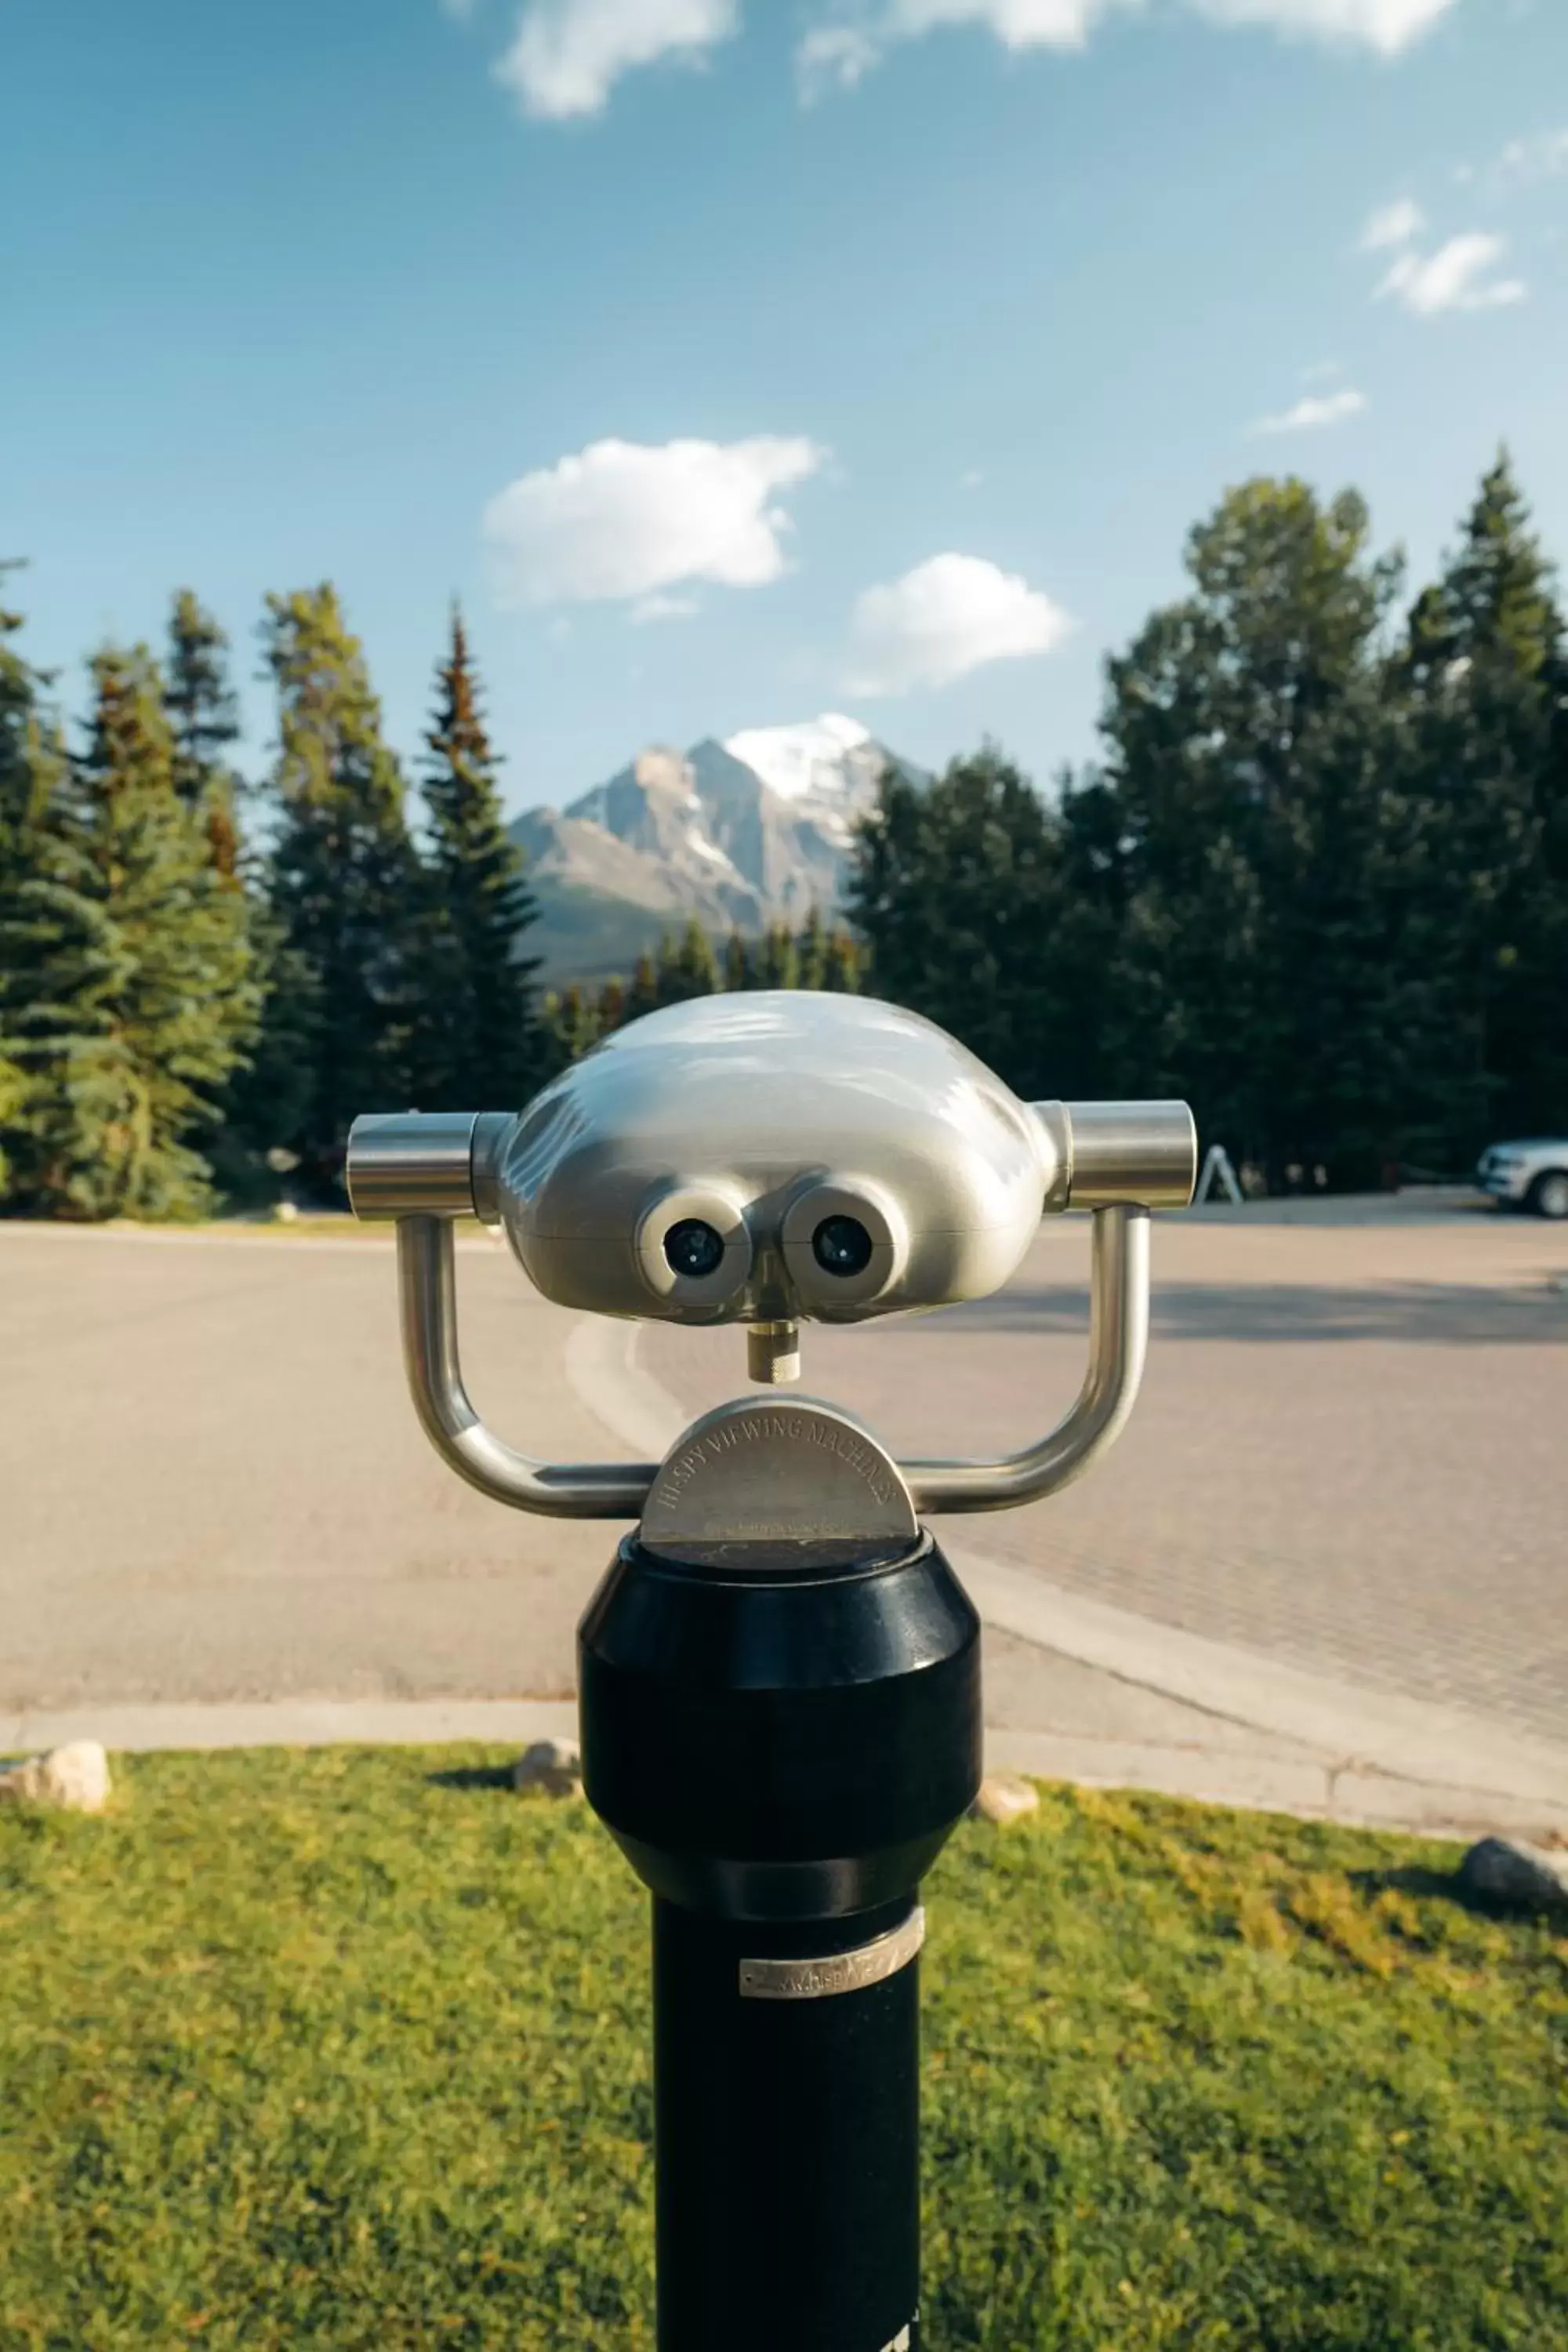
841,1245
694,1248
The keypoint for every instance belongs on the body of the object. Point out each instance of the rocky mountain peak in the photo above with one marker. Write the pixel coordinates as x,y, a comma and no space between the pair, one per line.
753,829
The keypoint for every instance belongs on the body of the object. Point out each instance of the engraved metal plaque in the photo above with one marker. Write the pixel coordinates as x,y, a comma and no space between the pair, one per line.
834,1972
790,1481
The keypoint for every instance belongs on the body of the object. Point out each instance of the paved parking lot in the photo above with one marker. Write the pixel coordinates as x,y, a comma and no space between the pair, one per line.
212,1484
1351,1451
1351,1455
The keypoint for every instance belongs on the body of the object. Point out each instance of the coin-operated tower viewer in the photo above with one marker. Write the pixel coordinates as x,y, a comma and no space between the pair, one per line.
780,1673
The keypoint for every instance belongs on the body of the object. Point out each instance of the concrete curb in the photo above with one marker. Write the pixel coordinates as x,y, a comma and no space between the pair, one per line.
603,1367
1305,1786
1353,1728
292,1723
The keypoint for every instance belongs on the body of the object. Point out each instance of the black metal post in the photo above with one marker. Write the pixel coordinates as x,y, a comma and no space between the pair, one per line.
782,1754
787,2191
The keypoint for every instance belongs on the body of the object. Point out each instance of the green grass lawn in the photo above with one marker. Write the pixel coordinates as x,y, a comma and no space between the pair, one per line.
350,2049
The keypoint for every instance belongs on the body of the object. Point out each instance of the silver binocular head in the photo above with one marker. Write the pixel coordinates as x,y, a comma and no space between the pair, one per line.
770,1158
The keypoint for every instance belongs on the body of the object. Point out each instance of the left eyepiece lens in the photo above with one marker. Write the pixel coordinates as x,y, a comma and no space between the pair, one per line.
694,1248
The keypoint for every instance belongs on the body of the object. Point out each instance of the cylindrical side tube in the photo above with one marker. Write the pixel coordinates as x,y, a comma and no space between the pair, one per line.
786,2142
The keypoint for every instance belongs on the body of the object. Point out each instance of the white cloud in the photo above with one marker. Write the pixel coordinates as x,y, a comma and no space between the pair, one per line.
1457,276
621,519
1392,225
1385,26
855,35
568,54
834,56
951,614
1312,414
1542,157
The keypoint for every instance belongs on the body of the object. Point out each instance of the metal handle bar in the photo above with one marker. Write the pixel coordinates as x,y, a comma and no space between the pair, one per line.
1119,1326
1117,1344
427,1291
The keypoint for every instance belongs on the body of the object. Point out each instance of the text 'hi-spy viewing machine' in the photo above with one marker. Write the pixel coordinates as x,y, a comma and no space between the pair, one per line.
779,1677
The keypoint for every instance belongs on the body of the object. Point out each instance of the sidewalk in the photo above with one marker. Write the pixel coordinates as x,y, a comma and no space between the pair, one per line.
1049,1713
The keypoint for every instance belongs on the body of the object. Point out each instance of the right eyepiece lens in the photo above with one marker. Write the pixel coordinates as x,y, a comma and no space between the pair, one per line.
841,1245
694,1248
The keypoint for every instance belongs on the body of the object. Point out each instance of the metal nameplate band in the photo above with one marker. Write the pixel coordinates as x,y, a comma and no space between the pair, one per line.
851,1972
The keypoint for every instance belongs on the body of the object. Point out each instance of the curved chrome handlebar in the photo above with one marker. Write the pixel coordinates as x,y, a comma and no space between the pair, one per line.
1119,1326
427,1293
1117,1344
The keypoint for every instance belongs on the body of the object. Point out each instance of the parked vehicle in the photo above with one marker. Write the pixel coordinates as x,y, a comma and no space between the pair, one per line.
1531,1175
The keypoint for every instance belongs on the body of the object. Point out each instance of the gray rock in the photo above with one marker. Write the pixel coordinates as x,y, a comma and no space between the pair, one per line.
1005,1797
553,1765
1509,1871
74,1779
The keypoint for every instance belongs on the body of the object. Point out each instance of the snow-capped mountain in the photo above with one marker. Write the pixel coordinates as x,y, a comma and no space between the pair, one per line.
749,831
821,761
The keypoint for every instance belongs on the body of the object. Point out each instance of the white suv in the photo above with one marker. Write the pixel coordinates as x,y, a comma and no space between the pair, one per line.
1533,1174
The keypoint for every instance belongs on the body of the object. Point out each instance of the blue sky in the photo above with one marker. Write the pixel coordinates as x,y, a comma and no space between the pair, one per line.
738,361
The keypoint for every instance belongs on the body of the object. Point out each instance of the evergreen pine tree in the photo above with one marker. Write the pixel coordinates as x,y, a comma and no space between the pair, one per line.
952,888
611,1011
777,962
480,1037
1257,973
184,1000
811,952
17,691
572,1017
1480,681
13,1103
643,995
202,707
344,888
65,1080
687,965
203,712
842,962
737,962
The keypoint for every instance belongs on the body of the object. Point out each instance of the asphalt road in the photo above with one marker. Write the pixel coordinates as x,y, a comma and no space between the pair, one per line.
1350,1451
212,1484
1351,1455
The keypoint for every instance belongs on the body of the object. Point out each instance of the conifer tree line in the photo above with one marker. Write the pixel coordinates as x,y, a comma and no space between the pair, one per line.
1317,882
202,979
688,963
